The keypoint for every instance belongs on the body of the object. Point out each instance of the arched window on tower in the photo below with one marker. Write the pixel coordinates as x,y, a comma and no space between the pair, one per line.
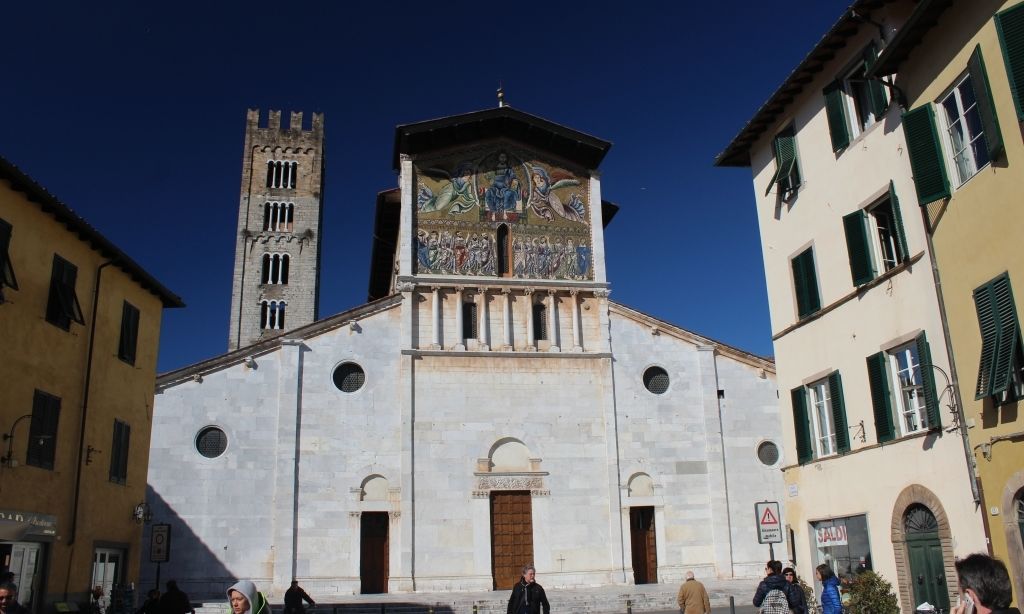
504,261
275,269
283,279
272,315
282,174
265,273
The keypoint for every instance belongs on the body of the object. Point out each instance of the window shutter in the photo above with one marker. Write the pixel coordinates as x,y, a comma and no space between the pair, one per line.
835,390
42,439
988,324
876,91
931,399
885,430
926,161
897,222
807,300
835,110
70,278
856,227
986,104
7,277
785,160
1006,346
801,426
129,333
1010,26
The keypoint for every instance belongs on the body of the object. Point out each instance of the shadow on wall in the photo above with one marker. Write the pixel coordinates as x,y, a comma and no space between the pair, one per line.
196,568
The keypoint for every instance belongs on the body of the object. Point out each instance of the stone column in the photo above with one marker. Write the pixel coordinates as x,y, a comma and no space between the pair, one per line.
530,341
574,304
460,340
482,322
435,314
508,319
553,321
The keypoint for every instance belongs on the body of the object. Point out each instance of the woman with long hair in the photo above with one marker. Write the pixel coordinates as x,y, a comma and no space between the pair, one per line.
831,601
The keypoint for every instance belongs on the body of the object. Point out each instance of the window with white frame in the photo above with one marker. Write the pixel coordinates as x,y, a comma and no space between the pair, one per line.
964,134
272,315
853,102
278,217
875,238
905,366
821,414
903,393
282,173
275,269
819,419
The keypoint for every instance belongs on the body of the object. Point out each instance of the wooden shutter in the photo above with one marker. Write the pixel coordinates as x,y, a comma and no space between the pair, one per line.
785,161
986,105
807,300
897,223
1010,26
835,110
926,161
858,247
988,324
835,390
129,333
801,425
876,91
881,401
1006,345
42,437
931,399
119,452
7,277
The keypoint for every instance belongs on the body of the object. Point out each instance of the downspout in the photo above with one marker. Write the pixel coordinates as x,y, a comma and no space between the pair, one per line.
85,413
618,455
725,466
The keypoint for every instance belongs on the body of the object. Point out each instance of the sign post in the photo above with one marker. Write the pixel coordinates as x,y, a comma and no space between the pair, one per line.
160,547
769,525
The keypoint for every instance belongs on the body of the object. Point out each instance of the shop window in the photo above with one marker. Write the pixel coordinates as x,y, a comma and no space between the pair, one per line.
842,544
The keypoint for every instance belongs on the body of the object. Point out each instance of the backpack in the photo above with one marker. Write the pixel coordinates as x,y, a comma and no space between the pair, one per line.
775,602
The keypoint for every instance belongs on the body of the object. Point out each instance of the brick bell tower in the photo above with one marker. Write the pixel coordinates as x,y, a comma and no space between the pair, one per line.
276,282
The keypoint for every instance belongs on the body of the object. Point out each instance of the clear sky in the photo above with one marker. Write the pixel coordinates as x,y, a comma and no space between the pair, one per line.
133,114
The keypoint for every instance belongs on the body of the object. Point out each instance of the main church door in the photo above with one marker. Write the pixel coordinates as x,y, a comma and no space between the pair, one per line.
511,536
373,553
645,551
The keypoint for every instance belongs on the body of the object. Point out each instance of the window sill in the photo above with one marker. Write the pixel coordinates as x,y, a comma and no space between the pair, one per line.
910,437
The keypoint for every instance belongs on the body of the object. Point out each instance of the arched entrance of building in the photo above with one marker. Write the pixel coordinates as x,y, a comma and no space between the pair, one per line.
927,570
373,552
642,531
511,536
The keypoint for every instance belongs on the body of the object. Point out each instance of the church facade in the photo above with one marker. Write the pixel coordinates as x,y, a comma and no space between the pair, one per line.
489,405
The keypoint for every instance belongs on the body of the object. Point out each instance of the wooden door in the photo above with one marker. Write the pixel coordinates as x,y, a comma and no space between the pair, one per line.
373,552
645,551
927,571
511,536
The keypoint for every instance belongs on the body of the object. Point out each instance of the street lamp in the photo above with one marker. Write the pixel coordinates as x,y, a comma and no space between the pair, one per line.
142,513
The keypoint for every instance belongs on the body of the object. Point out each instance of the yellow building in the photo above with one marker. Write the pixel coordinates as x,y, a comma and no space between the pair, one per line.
960,66
80,323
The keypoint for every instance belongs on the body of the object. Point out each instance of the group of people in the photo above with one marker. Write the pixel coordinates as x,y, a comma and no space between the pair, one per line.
781,592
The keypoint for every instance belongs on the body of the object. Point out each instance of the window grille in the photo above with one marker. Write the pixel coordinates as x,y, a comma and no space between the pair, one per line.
349,377
656,380
211,442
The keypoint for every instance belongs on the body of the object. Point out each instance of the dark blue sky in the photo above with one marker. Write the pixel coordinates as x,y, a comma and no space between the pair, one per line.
133,114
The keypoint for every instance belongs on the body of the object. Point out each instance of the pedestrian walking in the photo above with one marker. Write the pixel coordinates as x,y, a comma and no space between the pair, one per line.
527,596
693,597
293,598
773,590
831,600
175,601
984,586
244,597
795,591
152,603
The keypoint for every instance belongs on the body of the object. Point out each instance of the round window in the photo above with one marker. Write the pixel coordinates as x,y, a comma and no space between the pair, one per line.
656,380
768,453
211,442
349,377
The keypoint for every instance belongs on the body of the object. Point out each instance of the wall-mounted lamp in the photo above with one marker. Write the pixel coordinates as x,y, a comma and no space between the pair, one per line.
89,451
8,459
142,513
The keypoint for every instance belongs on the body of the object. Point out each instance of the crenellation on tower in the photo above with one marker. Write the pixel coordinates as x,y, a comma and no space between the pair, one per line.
280,216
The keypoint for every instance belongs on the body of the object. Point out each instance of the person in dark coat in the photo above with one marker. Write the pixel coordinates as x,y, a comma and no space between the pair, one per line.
152,603
527,596
773,581
293,598
9,599
175,601
796,591
985,582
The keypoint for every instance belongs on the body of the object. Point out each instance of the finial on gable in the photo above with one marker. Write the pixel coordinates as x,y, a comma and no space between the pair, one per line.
501,95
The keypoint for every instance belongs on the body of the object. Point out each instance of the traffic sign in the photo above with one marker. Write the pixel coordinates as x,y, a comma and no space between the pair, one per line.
160,544
769,525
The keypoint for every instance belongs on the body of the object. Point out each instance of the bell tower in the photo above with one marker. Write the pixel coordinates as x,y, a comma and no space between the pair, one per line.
276,283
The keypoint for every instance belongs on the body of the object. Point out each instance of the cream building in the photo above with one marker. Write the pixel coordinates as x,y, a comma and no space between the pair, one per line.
878,471
490,406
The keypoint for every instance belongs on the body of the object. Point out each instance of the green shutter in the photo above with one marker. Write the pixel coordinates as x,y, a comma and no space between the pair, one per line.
785,160
876,91
897,222
835,391
807,300
931,399
1009,331
1010,26
987,323
926,160
835,109
801,425
878,379
858,247
986,104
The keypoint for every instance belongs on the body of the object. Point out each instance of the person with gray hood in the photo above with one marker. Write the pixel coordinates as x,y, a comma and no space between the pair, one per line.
245,599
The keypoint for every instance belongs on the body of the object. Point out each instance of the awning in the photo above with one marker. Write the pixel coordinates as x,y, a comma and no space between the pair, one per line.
19,526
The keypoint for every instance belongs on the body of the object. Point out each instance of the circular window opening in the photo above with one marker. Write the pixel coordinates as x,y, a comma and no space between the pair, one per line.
349,377
656,380
211,442
768,453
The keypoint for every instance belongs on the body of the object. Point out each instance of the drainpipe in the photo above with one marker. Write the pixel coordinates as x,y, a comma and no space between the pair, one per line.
85,413
245,256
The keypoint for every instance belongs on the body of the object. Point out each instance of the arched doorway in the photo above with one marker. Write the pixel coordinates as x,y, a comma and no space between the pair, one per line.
927,570
937,524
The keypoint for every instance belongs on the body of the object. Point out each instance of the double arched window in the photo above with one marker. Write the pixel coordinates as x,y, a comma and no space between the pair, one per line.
278,217
272,315
281,173
275,269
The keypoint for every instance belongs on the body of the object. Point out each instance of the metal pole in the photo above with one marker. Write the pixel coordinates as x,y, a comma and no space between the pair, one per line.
157,576
629,607
732,605
771,551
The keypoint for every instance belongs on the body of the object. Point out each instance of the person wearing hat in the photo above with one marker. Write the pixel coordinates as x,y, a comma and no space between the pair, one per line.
244,598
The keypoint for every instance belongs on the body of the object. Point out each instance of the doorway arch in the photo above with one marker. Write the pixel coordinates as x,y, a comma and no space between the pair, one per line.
923,546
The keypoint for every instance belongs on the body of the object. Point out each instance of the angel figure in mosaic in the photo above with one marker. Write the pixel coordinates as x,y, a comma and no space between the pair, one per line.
456,193
545,203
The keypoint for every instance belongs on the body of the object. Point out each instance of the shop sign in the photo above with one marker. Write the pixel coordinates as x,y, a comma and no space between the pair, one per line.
27,524
826,537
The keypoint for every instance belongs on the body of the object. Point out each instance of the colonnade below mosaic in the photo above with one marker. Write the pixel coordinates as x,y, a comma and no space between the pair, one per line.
480,328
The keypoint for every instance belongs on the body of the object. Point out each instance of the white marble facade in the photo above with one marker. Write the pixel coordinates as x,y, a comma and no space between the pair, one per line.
441,422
